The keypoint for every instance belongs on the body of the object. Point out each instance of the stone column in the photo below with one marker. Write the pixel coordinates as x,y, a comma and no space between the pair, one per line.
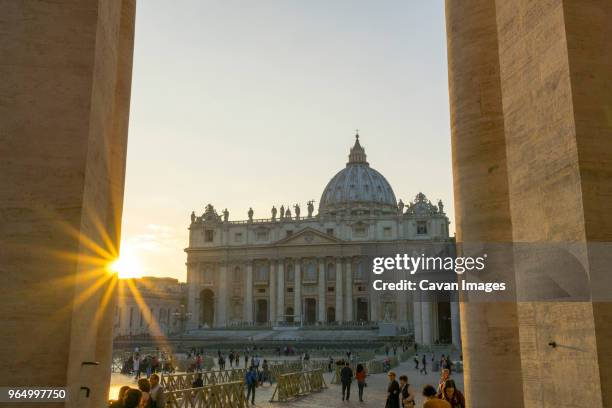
322,293
248,301
272,292
280,280
348,300
426,320
297,291
222,298
418,321
191,298
65,72
455,323
339,285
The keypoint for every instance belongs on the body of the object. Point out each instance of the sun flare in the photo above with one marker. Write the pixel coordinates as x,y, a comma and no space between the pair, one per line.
127,265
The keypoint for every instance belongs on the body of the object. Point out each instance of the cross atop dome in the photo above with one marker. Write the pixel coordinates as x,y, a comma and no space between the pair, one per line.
357,154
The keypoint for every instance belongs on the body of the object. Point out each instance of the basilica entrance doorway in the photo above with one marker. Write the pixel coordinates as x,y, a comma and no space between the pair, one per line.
362,310
310,311
444,323
207,308
261,311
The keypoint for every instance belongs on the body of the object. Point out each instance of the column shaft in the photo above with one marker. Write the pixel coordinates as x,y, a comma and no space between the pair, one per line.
222,299
418,322
426,318
272,292
280,280
455,323
248,301
297,292
321,289
339,285
348,300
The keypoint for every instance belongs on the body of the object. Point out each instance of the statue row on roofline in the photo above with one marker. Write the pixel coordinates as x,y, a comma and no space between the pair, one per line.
420,206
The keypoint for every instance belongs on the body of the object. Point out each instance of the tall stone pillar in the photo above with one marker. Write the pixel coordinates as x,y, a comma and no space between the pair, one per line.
297,289
66,73
272,292
348,299
222,299
418,322
280,280
455,323
339,285
321,291
248,301
491,352
426,320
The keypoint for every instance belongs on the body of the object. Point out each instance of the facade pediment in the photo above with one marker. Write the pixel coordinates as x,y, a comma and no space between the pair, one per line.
308,236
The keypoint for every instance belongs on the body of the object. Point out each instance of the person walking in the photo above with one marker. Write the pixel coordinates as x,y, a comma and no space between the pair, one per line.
406,395
158,397
431,401
136,366
360,376
451,394
251,382
346,377
393,392
424,367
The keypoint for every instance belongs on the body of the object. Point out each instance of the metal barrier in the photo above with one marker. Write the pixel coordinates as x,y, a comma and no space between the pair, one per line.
175,382
227,395
298,384
278,369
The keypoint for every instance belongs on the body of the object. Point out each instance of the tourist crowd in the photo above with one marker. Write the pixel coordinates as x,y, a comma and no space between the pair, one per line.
149,394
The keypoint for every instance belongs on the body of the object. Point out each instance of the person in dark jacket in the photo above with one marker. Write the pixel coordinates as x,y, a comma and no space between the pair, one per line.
251,382
346,377
393,392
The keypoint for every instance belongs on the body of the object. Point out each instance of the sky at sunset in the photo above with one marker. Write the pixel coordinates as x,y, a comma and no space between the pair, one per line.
255,103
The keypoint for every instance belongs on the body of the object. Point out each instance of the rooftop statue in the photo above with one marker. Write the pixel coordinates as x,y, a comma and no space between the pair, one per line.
273,213
400,206
297,211
225,215
440,207
282,212
193,217
288,214
310,208
250,214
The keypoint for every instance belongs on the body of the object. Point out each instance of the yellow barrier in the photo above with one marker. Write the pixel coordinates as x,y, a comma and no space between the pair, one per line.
228,395
294,385
175,382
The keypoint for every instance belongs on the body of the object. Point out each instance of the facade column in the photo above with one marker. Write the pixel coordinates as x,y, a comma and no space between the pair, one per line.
339,285
402,314
191,299
418,322
223,297
321,287
455,323
280,280
426,316
272,291
248,301
297,291
348,300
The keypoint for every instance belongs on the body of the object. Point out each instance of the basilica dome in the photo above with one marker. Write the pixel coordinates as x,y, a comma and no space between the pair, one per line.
357,188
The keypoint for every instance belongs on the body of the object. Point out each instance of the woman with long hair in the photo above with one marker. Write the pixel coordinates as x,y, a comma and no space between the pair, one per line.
360,375
452,395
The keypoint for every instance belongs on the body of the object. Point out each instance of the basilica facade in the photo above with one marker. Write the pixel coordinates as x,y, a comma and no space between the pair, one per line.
301,268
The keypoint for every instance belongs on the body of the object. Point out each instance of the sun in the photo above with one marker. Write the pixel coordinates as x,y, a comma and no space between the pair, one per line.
127,265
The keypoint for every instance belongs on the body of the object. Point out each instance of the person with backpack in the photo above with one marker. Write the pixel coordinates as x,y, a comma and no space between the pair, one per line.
251,381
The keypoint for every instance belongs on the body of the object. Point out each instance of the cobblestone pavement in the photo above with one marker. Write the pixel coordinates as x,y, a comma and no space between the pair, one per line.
374,394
